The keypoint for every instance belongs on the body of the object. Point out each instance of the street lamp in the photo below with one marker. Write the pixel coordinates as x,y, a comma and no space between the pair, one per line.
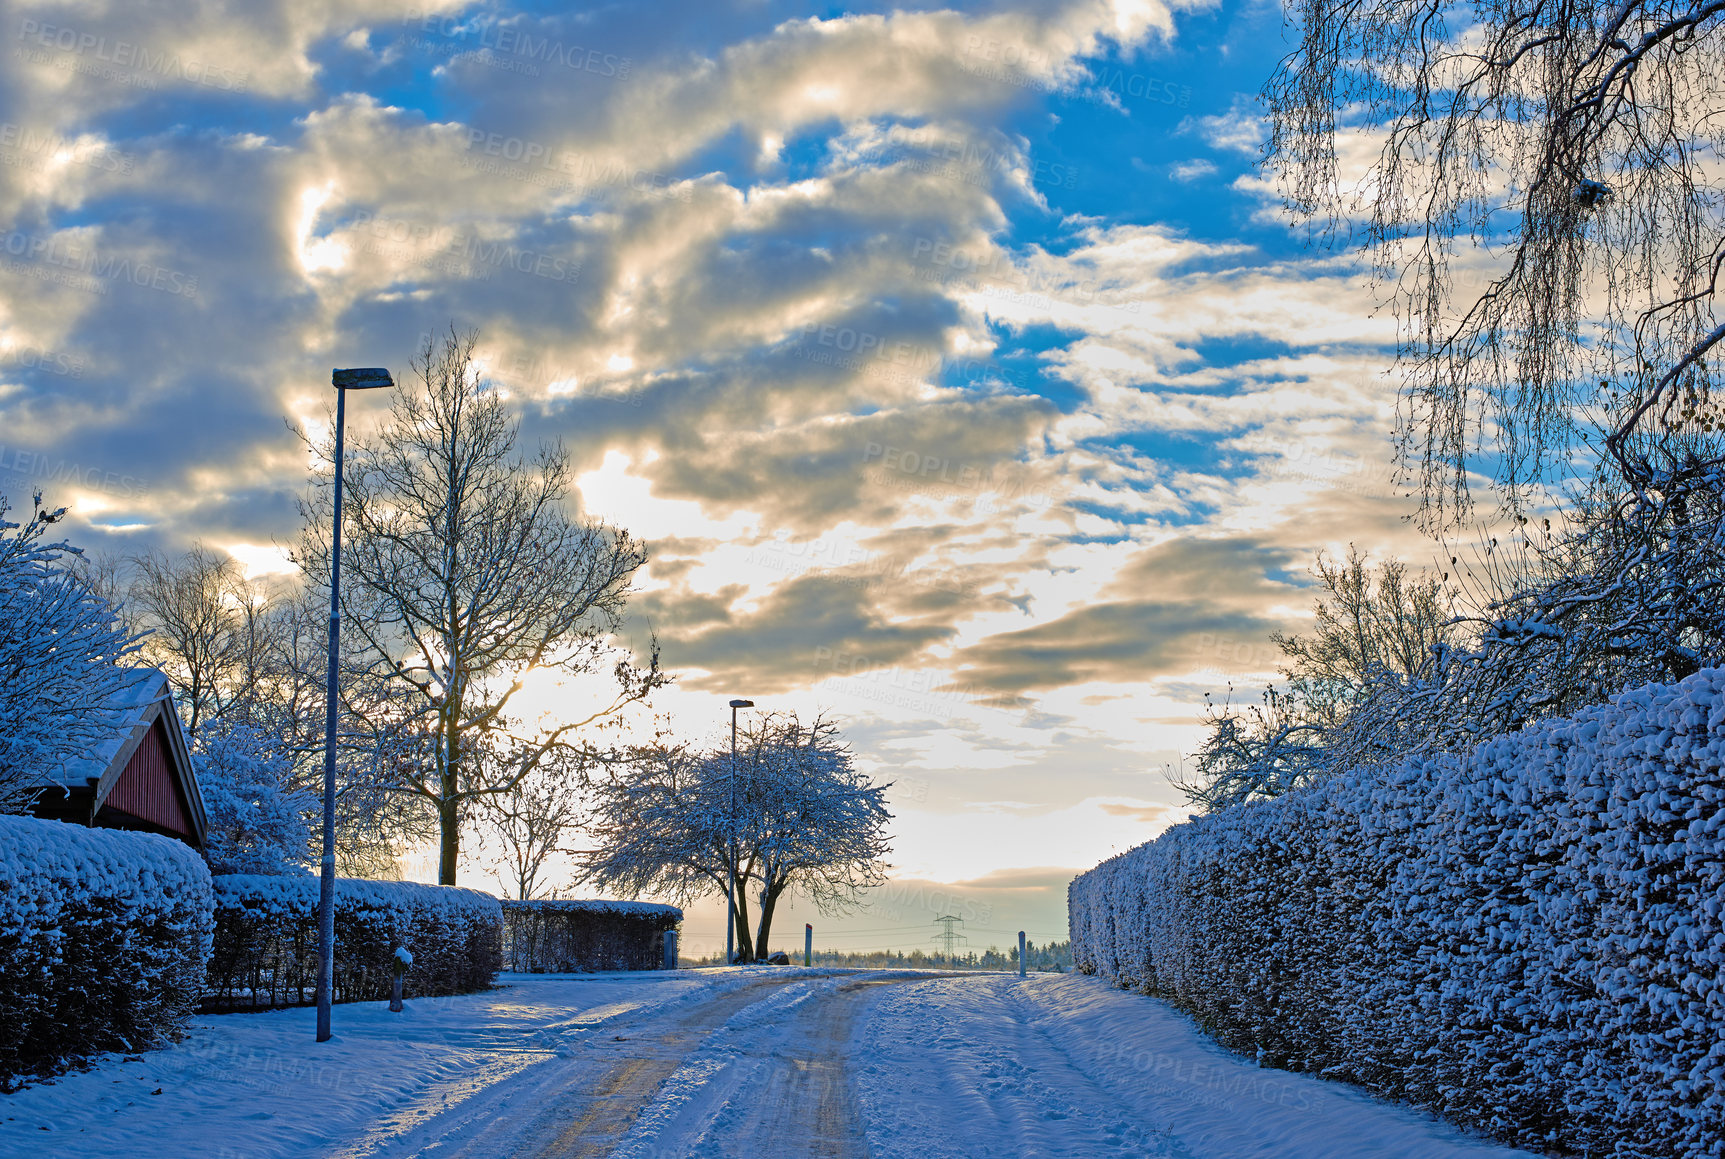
731,882
365,378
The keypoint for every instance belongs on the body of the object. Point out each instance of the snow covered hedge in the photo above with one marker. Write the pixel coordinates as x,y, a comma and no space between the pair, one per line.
579,936
266,940
103,940
1527,938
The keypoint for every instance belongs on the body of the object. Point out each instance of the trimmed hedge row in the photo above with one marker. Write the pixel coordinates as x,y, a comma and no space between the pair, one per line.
584,936
1526,938
103,940
266,940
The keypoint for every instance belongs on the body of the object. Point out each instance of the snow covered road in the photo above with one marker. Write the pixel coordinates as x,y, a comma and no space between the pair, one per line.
735,1063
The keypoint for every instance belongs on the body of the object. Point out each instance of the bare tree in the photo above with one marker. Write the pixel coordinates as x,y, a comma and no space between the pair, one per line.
531,821
373,824
1570,149
241,655
804,819
210,631
463,571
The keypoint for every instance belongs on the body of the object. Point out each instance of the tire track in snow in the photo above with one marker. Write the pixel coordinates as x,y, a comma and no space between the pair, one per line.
951,1069
808,1096
606,1066
777,1076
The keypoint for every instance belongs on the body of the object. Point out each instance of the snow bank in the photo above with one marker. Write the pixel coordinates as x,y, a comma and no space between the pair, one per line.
1527,938
103,940
576,936
266,939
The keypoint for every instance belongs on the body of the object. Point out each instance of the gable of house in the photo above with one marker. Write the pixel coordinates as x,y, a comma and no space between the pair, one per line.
140,776
147,790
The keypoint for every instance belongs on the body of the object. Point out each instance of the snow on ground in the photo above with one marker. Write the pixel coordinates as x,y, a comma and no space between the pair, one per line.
809,1062
257,1086
1067,1065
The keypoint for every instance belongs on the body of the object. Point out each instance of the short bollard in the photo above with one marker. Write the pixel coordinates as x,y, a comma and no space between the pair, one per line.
402,960
1021,953
808,944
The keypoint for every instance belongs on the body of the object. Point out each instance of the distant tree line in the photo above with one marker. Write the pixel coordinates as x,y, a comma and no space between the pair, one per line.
1054,957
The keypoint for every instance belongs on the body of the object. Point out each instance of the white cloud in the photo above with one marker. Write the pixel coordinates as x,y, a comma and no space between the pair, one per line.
1187,171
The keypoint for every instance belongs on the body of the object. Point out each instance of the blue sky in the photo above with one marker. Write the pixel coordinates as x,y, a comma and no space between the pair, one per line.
955,362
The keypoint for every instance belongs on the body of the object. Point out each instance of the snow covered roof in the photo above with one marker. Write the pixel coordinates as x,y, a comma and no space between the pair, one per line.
143,700
130,711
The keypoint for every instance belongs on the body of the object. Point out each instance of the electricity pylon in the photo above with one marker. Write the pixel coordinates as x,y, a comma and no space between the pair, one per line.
949,937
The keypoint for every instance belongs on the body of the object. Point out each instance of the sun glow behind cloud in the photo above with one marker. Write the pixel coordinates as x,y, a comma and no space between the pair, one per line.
317,254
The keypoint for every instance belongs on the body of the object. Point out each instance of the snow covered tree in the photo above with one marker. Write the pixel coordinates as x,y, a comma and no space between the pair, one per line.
60,649
1261,751
257,821
239,653
812,822
462,571
1628,590
1377,637
1544,206
659,825
805,820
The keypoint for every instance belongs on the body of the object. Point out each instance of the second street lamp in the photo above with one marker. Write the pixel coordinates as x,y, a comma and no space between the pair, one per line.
366,378
731,882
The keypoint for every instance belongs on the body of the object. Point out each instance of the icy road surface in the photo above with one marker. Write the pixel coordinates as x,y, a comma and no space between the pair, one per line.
731,1063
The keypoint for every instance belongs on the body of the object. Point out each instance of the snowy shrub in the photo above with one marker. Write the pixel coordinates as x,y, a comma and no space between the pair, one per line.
103,940
256,823
266,940
578,936
1527,938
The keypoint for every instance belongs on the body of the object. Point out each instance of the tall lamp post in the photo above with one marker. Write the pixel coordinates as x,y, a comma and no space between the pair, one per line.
731,882
366,378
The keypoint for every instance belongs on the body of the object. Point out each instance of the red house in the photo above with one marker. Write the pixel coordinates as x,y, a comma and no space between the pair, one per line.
140,776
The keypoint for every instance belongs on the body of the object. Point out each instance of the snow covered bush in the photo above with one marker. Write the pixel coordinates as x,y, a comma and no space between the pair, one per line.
266,940
104,937
60,645
577,936
1526,938
257,824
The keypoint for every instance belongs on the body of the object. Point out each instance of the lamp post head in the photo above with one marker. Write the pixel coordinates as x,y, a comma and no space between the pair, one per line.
361,378
742,704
